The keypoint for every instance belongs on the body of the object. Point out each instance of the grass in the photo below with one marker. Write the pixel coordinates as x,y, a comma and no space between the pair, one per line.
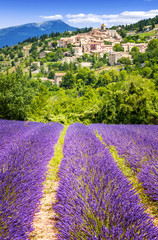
58,155
107,68
45,219
147,34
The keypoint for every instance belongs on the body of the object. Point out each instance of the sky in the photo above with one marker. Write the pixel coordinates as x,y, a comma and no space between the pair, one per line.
77,13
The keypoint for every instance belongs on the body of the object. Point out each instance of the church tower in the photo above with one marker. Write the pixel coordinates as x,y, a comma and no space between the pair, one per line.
103,27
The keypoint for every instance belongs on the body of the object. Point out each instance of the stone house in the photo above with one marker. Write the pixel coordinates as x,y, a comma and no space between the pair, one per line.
128,46
58,78
115,56
68,59
142,47
37,63
43,54
78,51
92,41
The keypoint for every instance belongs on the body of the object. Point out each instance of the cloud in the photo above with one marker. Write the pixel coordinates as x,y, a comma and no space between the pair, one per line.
126,17
81,15
53,17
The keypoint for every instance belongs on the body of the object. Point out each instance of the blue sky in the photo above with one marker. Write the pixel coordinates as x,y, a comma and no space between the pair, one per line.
78,13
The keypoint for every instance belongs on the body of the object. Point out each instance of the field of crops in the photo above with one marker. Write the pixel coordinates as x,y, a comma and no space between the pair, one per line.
26,149
97,197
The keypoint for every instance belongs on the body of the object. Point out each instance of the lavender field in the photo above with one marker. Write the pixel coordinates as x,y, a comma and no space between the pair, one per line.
138,144
94,199
26,149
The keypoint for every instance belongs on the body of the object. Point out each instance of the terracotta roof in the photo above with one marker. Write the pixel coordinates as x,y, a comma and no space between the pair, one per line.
59,74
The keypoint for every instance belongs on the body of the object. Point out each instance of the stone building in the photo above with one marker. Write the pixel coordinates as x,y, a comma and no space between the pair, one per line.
115,56
43,54
58,78
78,51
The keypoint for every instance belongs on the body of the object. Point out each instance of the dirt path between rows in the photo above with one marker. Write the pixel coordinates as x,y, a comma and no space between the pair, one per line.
45,220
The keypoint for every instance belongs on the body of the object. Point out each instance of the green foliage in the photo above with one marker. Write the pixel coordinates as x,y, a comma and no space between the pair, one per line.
68,81
139,26
107,43
152,45
146,72
124,60
34,66
127,95
51,75
118,48
54,44
134,49
14,96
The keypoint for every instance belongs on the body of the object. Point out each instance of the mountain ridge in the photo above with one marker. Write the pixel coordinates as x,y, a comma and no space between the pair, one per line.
12,35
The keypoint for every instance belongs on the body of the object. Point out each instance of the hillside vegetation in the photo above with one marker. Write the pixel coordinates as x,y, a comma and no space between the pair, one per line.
124,94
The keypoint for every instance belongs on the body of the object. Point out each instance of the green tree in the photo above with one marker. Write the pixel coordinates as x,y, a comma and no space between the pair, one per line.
51,75
124,60
134,49
146,72
153,44
15,97
118,48
34,66
68,81
54,44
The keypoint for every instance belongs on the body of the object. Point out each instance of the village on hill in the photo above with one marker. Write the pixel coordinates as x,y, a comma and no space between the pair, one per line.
100,41
47,57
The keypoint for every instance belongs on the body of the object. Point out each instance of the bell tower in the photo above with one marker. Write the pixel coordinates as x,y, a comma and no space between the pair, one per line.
103,27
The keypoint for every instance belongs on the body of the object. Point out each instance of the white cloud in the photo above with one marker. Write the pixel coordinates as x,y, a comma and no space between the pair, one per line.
53,17
126,17
81,15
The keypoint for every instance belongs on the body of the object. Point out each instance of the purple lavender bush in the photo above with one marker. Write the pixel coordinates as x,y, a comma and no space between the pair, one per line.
22,172
94,199
138,144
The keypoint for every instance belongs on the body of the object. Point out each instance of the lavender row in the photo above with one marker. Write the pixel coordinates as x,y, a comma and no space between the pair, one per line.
138,144
94,199
13,131
21,177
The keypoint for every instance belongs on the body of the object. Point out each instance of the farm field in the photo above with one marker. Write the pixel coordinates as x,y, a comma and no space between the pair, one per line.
106,178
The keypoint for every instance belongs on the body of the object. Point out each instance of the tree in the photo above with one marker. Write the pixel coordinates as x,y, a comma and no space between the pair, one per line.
30,73
153,44
13,63
51,75
34,54
139,58
1,58
153,25
34,66
123,33
68,81
54,44
134,49
20,54
124,60
15,96
118,48
146,72
103,80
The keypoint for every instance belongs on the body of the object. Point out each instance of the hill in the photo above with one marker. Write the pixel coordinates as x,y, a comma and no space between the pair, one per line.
12,35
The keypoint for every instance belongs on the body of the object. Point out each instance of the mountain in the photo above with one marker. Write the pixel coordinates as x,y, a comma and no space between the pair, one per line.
12,35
